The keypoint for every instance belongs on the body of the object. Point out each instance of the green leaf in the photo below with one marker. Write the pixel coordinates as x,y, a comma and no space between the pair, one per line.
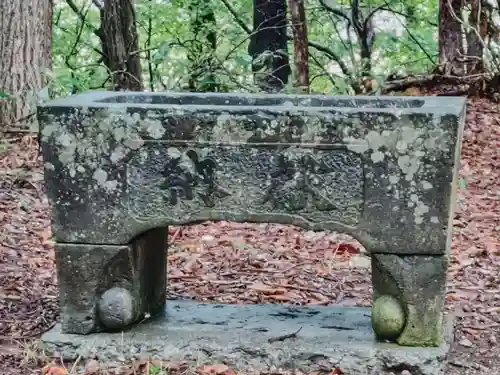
462,183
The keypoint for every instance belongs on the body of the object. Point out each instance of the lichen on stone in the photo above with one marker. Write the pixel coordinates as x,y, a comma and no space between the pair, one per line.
86,141
413,148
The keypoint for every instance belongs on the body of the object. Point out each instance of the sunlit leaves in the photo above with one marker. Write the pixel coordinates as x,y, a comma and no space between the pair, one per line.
405,43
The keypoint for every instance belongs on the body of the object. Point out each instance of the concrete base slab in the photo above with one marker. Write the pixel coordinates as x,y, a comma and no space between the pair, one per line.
253,337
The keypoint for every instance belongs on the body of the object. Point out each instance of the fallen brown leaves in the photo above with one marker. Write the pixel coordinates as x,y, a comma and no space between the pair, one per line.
474,273
54,370
264,263
216,369
260,263
28,297
156,367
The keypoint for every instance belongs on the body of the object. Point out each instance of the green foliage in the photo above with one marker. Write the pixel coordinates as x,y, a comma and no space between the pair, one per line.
462,183
155,370
166,42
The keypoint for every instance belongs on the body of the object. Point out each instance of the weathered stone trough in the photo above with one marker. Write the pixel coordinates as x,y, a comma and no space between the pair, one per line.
120,167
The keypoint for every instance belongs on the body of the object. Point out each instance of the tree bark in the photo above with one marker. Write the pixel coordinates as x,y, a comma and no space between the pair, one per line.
300,44
451,51
478,19
203,46
268,45
122,45
26,55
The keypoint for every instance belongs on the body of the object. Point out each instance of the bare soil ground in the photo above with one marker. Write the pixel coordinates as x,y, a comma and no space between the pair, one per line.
254,263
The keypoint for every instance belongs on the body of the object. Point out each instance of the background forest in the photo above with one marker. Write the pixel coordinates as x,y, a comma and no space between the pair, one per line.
317,46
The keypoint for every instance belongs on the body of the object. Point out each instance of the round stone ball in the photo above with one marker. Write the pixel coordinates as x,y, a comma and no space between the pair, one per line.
116,308
388,318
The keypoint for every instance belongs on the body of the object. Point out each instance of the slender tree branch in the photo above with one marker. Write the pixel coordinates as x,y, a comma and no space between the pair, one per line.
335,11
325,72
238,20
148,47
99,52
370,15
333,56
82,17
356,16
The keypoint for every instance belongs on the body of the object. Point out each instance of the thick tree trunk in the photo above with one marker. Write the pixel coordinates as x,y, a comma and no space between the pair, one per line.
478,19
203,46
268,45
300,43
25,55
122,45
451,49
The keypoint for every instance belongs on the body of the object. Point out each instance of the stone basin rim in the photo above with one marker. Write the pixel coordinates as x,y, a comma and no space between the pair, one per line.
101,99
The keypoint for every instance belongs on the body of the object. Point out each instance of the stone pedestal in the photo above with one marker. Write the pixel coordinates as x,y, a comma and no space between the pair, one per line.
416,284
248,339
109,287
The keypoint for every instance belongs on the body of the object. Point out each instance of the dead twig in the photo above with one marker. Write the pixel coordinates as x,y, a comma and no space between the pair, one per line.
284,337
174,237
301,288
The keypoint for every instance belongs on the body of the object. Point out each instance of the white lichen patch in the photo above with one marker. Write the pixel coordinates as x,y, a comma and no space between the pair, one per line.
314,128
356,145
409,165
408,147
100,176
102,182
230,128
288,104
111,185
426,185
118,154
49,166
407,144
419,220
377,157
420,210
119,133
393,179
154,127
85,140
133,141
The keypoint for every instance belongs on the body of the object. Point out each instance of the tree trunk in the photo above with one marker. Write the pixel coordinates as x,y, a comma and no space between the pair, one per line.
25,56
450,37
122,45
203,46
300,43
268,45
478,20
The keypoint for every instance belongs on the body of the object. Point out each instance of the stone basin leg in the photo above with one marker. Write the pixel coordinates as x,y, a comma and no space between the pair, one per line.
408,295
109,287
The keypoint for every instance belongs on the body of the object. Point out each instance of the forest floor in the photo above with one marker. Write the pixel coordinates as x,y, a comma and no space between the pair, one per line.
255,263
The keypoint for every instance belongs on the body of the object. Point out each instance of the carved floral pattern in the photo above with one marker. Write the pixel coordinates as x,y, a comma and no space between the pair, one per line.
319,185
